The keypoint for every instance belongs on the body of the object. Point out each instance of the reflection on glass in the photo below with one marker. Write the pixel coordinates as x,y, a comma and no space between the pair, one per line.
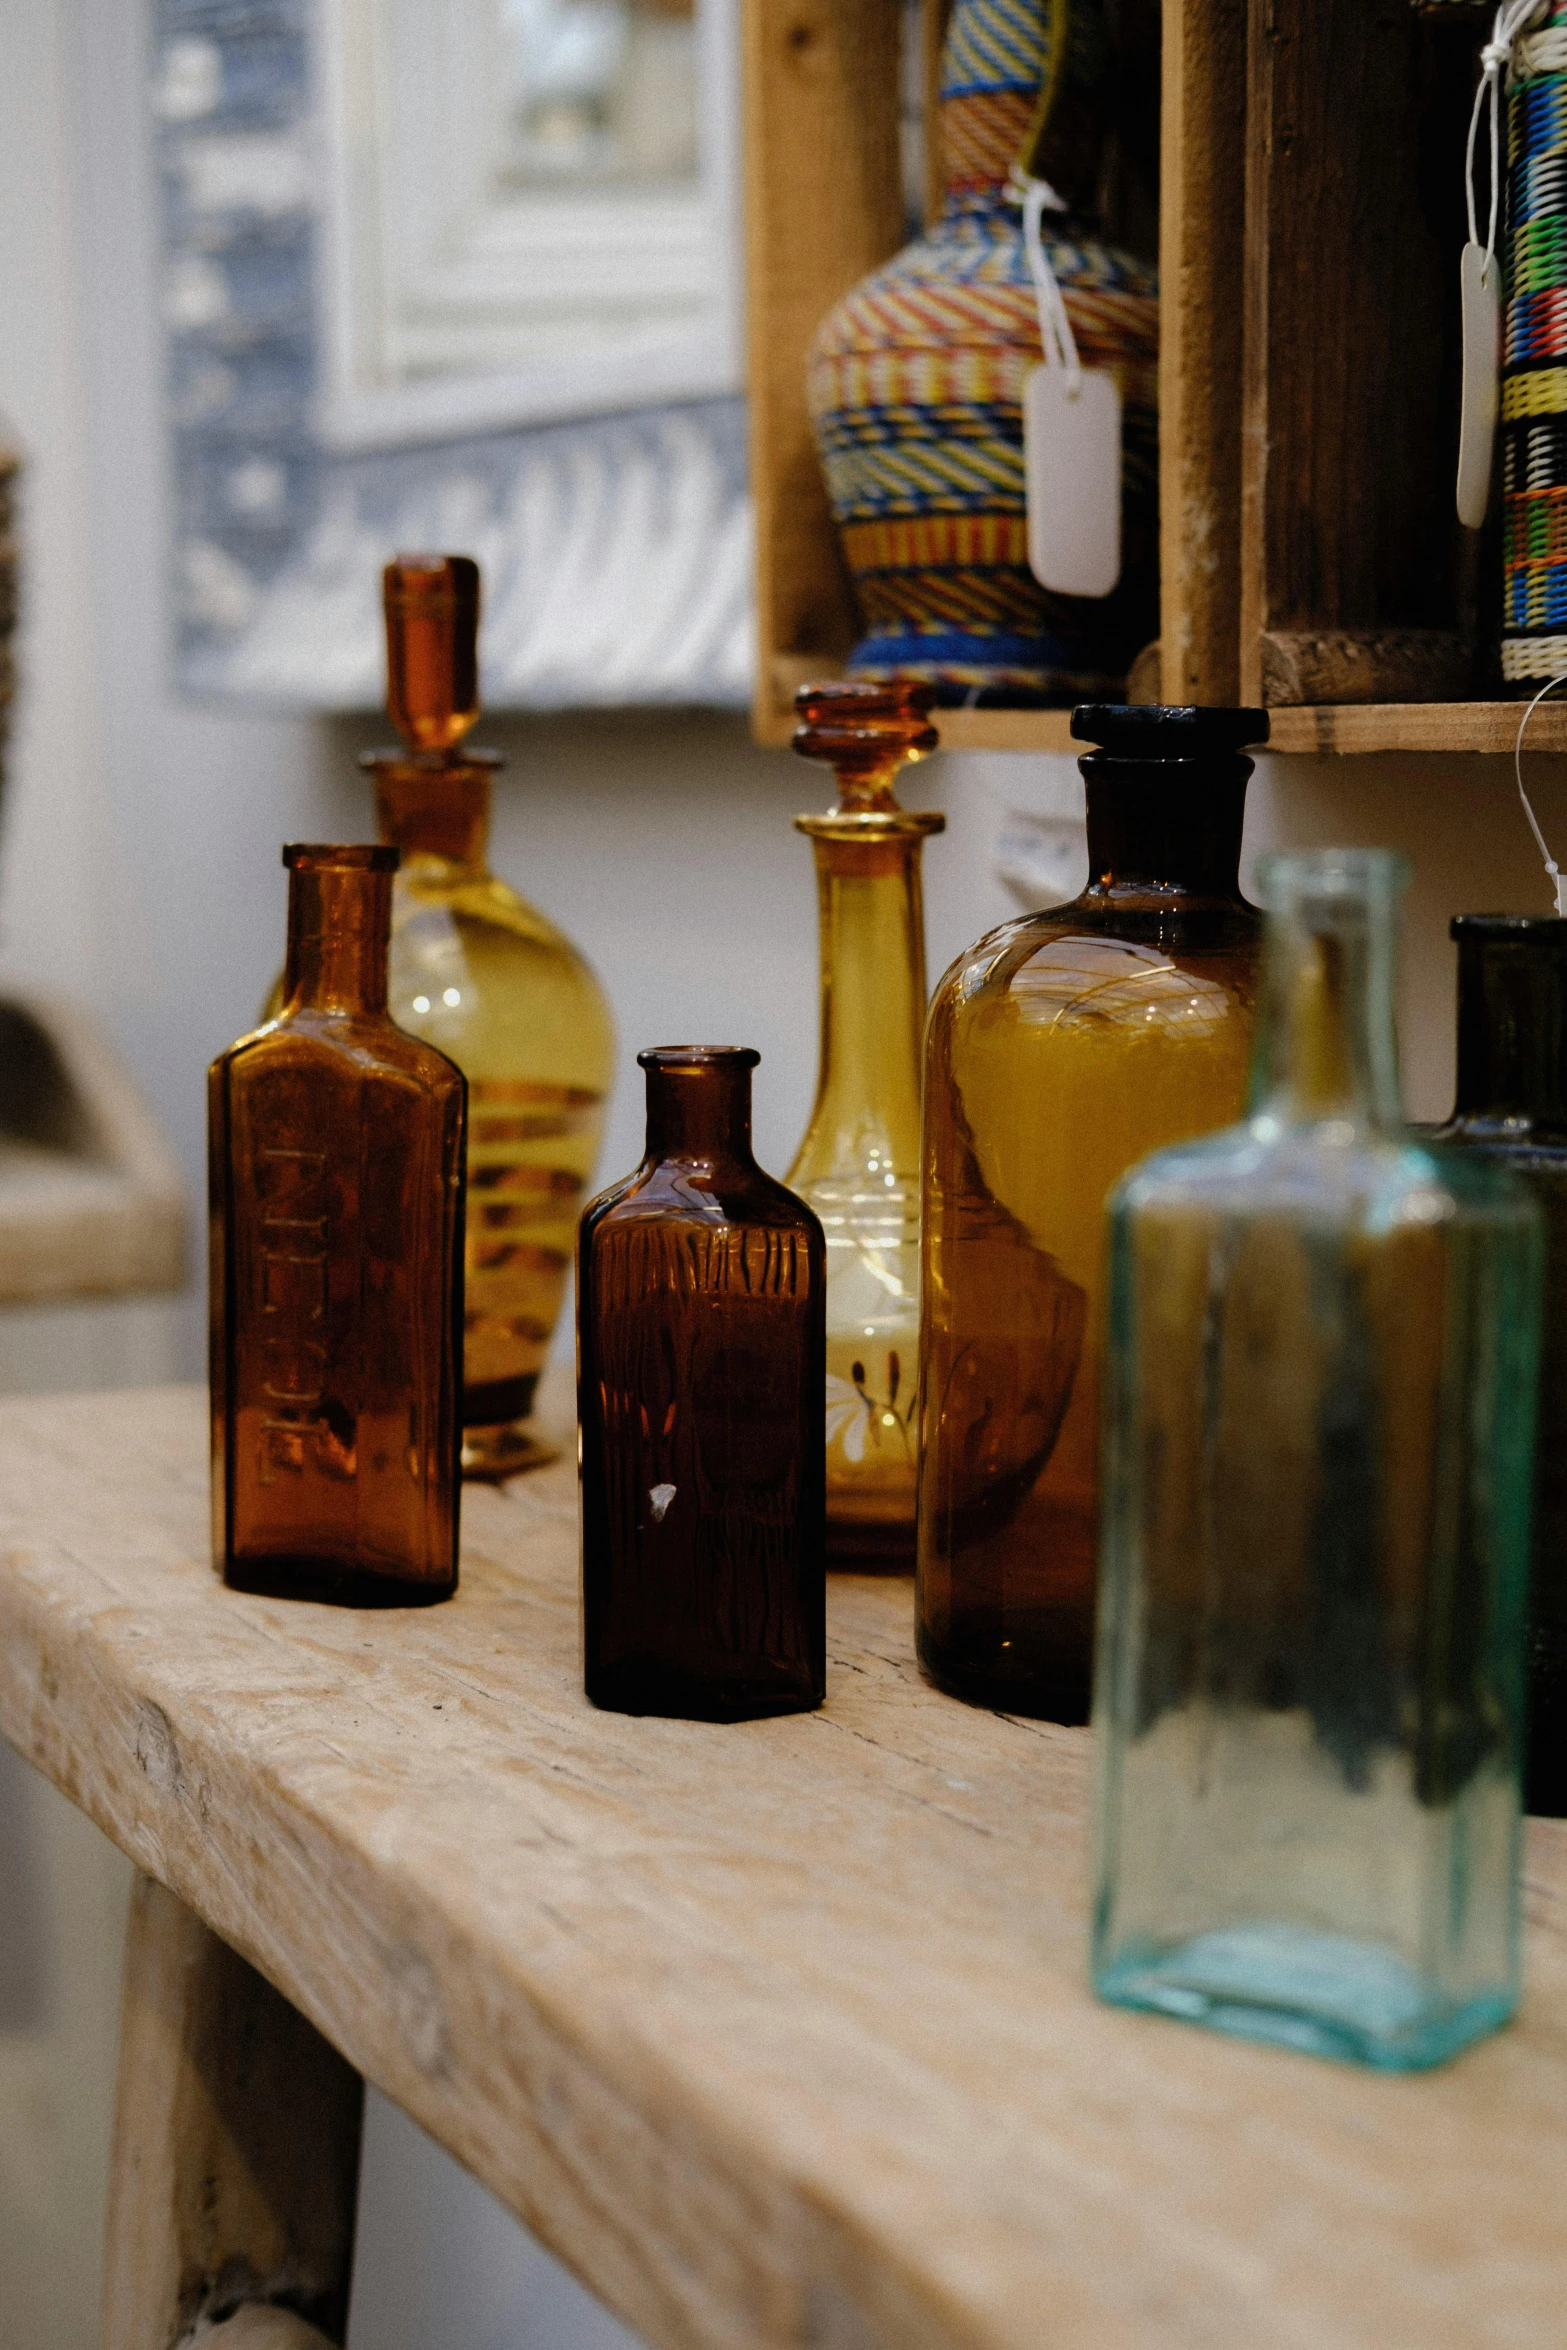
599,89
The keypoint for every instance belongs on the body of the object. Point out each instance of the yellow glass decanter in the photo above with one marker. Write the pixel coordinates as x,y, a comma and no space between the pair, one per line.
478,972
859,1164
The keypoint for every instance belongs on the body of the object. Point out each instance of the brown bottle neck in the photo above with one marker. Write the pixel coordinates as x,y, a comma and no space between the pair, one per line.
339,924
700,1109
1167,825
434,807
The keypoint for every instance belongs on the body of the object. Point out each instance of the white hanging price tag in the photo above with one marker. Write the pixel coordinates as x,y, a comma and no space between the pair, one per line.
1072,461
1480,278
1071,435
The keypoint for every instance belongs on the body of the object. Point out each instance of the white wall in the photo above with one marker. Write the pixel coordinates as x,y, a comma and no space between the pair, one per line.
140,872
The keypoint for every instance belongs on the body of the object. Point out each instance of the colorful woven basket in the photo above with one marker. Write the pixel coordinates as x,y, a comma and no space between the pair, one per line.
915,389
1534,355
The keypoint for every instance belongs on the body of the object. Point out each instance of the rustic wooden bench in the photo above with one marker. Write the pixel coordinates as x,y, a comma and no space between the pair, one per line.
777,2034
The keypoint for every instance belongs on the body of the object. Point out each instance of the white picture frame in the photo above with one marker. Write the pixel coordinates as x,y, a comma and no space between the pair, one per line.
449,310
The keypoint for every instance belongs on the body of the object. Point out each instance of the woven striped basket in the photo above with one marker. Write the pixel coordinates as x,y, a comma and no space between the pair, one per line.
915,391
1534,355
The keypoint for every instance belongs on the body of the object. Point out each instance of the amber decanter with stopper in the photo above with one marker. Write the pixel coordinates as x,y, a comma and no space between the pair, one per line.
859,1162
700,1287
1061,1049
485,977
336,1278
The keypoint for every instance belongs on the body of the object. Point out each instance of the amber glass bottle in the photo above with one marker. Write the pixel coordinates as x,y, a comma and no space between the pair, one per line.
335,1154
700,1335
1060,1049
491,982
859,1162
1511,1107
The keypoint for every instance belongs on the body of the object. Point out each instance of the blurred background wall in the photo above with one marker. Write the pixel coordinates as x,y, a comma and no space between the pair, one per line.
139,875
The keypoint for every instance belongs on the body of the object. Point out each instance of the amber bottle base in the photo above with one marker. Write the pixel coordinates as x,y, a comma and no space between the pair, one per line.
491,1454
1064,1700
637,1689
312,1579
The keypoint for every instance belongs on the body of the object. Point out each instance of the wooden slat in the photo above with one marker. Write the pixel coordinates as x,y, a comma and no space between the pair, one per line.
1363,665
236,2150
823,207
1417,726
1348,439
934,16
778,2033
1202,187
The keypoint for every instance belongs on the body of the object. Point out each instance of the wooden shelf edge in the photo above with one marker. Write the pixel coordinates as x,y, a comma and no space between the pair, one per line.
1335,729
1415,726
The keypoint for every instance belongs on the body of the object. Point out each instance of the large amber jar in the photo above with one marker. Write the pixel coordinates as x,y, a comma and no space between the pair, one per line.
700,1323
858,1164
486,977
335,1152
1061,1049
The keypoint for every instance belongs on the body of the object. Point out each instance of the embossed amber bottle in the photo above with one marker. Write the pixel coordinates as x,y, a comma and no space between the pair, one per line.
859,1162
490,981
1060,1049
335,1148
700,1334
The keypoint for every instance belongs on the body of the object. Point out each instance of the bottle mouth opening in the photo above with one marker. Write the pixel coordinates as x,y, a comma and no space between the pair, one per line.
309,856
1305,882
1168,730
698,1056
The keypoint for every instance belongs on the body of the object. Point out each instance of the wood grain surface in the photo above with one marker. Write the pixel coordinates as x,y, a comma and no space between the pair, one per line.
1201,234
778,2033
824,207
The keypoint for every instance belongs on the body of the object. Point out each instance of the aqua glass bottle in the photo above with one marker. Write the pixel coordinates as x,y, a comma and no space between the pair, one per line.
1318,1424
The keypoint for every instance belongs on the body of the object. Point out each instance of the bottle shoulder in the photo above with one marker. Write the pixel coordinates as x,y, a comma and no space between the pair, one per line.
675,1191
1373,1182
433,884
308,1042
1225,935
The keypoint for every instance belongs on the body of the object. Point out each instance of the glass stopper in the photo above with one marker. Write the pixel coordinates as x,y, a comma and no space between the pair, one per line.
865,733
432,648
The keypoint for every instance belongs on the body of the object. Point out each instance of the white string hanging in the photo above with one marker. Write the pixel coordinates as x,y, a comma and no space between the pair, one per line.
1551,867
1055,328
1496,59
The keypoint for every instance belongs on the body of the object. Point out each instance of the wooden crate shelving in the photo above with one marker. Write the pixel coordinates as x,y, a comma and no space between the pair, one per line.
1309,555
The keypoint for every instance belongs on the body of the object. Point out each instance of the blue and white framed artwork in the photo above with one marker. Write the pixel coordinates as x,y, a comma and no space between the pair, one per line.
455,274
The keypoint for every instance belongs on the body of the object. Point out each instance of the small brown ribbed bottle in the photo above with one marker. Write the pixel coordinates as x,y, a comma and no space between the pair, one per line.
858,1165
700,1360
335,1165
1060,1050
